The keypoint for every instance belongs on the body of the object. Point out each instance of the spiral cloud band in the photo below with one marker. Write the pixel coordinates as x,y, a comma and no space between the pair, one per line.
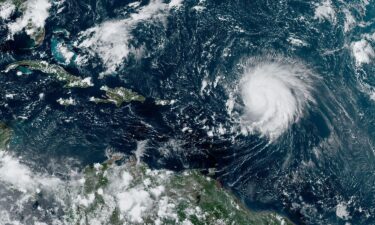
275,95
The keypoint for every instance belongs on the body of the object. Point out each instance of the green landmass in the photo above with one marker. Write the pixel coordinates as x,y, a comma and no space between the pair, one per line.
5,135
118,96
119,192
38,34
219,206
56,71
172,198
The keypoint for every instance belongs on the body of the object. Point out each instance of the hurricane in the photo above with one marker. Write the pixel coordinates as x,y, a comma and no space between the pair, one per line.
275,95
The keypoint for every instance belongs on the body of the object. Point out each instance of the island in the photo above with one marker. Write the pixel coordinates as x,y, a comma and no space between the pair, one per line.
118,96
71,81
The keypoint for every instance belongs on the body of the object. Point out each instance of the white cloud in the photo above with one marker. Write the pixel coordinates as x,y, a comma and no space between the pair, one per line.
325,11
362,51
110,40
36,14
6,9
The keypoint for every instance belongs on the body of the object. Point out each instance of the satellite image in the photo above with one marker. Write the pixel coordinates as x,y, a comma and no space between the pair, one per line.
187,112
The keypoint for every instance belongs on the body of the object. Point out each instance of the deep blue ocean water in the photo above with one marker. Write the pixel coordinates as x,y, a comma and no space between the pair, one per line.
324,160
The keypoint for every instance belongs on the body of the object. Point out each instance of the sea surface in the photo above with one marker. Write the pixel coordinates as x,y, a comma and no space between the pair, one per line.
278,97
